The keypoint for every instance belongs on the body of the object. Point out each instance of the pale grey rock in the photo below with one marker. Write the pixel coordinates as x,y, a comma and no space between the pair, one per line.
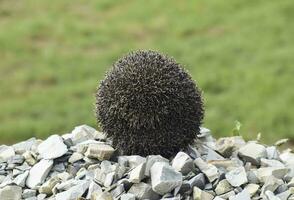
223,187
252,188
199,194
198,181
226,146
272,153
128,196
30,158
227,195
93,187
277,172
253,152
47,187
218,198
182,163
99,151
271,196
150,160
237,176
16,159
74,192
137,173
210,171
20,180
143,191
133,161
38,173
117,191
27,193
101,196
271,163
24,146
75,157
10,192
82,133
6,152
284,195
212,155
52,147
244,195
164,178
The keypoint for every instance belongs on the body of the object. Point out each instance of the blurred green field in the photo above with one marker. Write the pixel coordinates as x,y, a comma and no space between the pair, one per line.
53,54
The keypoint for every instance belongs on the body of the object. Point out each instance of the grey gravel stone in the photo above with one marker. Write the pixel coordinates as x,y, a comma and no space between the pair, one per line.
38,173
253,152
52,147
164,178
210,171
237,176
11,193
99,151
182,163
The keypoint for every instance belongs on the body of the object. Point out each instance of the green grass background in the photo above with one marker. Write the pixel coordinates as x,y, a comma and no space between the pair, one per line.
53,54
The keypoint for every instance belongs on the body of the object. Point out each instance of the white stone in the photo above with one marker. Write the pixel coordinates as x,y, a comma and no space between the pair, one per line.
210,171
151,160
38,173
74,192
92,188
253,152
24,146
270,195
237,177
252,188
137,173
20,180
82,133
199,194
99,151
75,157
52,147
6,152
164,178
128,196
182,163
244,195
10,192
143,191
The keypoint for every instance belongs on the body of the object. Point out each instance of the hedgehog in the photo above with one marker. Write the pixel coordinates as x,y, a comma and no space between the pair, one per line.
148,104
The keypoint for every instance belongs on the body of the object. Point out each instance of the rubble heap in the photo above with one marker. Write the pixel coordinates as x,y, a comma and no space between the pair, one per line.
84,165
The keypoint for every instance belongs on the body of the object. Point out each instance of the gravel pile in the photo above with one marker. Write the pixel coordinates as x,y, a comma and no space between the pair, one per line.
84,165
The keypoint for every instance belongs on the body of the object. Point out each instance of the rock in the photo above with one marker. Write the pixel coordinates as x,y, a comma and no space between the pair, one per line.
182,163
24,146
253,152
82,133
6,152
252,189
74,192
226,146
237,177
29,158
16,159
20,180
28,193
101,196
132,161
270,195
38,173
244,195
151,160
128,196
137,173
10,193
47,187
99,151
199,194
272,153
164,178
210,171
198,181
143,191
75,157
223,187
93,187
52,147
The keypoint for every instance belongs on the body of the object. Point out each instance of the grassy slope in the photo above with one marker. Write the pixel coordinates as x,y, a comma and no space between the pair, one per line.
53,54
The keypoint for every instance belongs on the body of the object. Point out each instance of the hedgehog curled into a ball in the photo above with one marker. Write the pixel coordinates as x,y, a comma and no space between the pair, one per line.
148,105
